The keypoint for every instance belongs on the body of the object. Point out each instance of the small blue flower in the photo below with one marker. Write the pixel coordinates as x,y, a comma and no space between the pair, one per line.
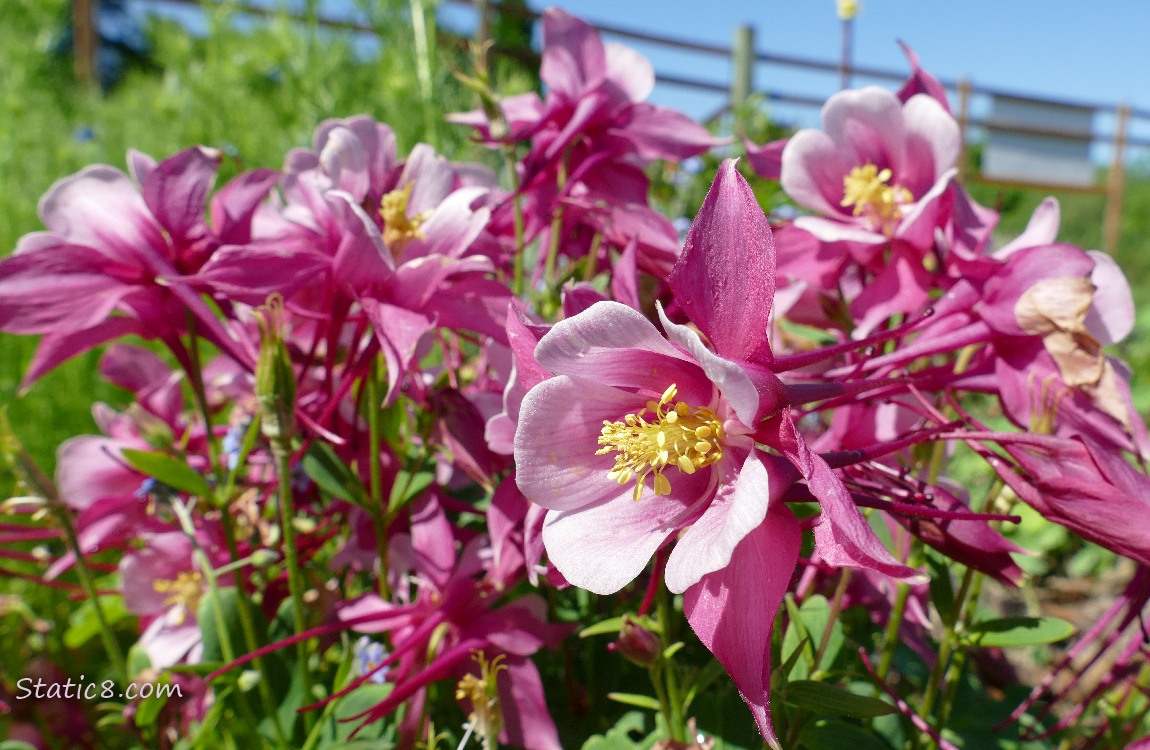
369,655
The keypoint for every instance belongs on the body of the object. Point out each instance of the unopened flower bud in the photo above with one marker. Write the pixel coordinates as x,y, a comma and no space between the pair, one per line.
638,644
275,380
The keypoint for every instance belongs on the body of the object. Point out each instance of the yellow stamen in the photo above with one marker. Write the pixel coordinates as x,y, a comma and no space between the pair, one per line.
482,693
398,227
184,593
674,436
867,189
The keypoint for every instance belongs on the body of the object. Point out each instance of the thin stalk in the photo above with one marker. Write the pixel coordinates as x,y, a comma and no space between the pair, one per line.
88,581
674,703
281,449
247,625
227,649
423,65
196,378
376,504
836,607
890,635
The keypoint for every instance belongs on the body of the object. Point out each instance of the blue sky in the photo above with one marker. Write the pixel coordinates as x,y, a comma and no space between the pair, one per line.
1093,52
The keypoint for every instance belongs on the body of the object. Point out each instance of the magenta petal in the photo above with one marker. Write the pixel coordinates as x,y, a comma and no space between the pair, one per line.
90,467
176,192
739,506
933,143
629,70
604,546
99,207
235,204
767,159
731,379
560,422
399,332
661,133
616,345
56,348
527,722
41,291
867,125
920,81
842,536
573,54
1042,229
725,278
733,609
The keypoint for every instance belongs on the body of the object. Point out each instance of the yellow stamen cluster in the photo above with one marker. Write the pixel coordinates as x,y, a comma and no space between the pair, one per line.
867,190
398,227
184,592
683,436
482,693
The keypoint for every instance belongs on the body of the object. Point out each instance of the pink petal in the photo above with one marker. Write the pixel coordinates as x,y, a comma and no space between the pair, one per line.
58,289
867,125
1041,229
739,506
661,133
616,345
1111,316
920,81
733,609
527,721
629,70
812,172
725,278
560,422
177,190
604,546
573,54
99,207
933,143
89,468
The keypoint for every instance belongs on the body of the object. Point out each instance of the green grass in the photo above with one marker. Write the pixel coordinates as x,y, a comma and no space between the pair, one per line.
255,95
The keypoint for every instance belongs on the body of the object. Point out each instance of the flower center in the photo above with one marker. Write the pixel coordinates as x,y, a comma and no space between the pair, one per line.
683,436
184,592
867,190
398,227
486,718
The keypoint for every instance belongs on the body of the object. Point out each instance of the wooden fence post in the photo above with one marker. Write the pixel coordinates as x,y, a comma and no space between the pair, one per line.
743,65
84,40
1112,224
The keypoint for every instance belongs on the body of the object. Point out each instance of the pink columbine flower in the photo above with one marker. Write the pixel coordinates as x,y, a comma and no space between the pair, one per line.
638,436
878,170
118,254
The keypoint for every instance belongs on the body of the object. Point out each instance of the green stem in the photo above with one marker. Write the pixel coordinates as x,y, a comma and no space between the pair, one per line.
281,449
247,624
890,638
196,377
673,706
376,504
88,581
836,607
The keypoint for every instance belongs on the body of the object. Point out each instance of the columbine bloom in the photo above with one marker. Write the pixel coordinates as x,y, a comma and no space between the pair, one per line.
878,171
638,436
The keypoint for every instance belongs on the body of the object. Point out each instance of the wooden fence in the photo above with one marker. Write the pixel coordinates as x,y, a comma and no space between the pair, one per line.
745,60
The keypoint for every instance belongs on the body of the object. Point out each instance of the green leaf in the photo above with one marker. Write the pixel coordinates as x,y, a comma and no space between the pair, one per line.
171,471
84,625
835,735
941,587
828,700
409,486
138,660
1019,631
634,699
782,674
228,603
149,708
610,626
332,475
814,617
619,737
15,745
